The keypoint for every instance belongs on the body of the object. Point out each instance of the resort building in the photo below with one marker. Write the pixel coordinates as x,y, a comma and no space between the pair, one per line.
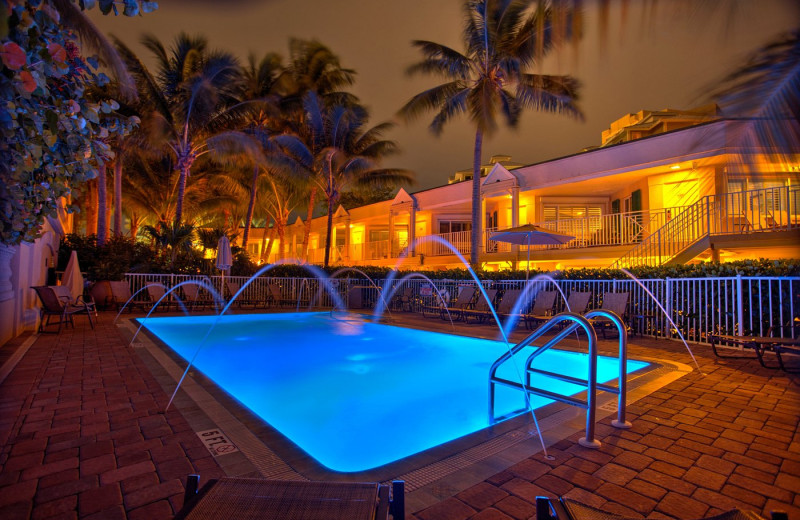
664,187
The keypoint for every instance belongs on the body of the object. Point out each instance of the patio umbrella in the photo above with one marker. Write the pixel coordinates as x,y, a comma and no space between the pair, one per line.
224,258
529,235
72,277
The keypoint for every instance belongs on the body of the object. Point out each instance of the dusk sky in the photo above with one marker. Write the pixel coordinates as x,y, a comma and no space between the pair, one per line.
650,60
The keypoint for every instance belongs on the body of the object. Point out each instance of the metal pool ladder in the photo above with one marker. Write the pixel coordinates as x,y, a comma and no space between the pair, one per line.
575,321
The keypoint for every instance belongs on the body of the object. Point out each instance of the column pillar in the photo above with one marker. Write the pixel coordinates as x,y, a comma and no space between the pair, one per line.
391,233
515,220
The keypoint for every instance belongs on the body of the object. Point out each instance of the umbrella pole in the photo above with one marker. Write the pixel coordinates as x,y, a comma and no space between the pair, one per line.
528,264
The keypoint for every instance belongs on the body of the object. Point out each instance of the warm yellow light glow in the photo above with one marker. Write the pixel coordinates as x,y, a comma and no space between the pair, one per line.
675,167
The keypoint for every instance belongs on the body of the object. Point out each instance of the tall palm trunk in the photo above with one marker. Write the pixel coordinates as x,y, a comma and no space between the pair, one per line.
183,173
307,226
270,244
477,220
102,207
329,230
250,207
281,229
118,195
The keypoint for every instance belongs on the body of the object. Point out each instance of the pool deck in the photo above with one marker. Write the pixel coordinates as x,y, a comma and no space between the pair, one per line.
83,436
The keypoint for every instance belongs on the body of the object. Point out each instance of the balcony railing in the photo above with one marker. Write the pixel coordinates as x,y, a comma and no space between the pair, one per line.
769,209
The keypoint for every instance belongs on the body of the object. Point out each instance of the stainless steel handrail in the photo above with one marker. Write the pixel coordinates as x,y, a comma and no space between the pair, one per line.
577,321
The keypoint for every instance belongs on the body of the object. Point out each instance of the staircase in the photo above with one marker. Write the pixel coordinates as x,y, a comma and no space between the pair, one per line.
692,231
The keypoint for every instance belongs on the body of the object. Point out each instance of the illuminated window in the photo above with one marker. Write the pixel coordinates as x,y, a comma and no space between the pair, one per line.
454,226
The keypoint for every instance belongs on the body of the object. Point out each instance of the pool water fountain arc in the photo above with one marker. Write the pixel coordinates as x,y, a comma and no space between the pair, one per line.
526,294
324,281
458,254
377,315
371,281
666,315
166,294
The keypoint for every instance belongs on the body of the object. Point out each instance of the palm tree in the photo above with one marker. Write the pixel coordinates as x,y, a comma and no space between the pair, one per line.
502,38
312,67
344,152
766,90
189,100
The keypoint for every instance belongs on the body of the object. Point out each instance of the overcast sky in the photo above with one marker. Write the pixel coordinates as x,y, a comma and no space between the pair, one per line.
650,60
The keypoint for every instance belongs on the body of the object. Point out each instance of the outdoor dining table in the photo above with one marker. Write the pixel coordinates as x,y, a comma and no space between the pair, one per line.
760,345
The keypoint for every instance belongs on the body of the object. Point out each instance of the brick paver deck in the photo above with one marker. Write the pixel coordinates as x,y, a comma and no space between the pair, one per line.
83,436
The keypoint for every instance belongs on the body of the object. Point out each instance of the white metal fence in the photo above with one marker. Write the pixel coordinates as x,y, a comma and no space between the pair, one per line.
698,306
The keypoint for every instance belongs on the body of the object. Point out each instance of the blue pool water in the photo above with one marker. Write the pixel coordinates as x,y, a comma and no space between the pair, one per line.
356,395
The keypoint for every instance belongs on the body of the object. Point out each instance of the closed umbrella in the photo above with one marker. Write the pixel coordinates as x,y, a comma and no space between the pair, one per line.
224,258
72,277
529,235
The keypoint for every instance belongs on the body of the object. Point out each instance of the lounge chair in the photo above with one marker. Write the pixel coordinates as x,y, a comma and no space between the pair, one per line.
155,292
616,303
235,497
121,295
542,308
481,310
52,305
566,509
195,296
242,299
578,301
463,301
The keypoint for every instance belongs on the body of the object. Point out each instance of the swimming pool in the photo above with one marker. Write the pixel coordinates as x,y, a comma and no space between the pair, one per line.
357,395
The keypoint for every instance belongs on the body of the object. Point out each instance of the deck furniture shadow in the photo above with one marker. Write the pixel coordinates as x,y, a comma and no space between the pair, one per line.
52,305
759,345
253,498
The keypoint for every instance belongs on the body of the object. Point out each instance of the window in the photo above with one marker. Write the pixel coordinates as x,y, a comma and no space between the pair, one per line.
454,226
377,235
560,212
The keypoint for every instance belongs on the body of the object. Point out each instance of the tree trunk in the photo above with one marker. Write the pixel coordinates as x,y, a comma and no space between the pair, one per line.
102,207
270,243
477,218
250,207
118,194
329,231
183,173
135,221
281,229
307,227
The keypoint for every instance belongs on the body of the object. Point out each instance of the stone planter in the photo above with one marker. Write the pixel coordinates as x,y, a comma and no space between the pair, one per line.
6,288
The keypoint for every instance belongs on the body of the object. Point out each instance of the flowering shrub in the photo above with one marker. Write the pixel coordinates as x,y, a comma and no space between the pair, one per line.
52,137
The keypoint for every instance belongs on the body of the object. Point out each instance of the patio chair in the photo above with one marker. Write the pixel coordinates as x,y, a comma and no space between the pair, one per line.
52,305
481,310
63,293
236,497
616,303
402,301
566,509
542,308
121,294
463,301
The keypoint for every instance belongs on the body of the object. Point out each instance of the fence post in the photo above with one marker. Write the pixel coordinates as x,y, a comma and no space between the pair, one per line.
668,306
739,304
